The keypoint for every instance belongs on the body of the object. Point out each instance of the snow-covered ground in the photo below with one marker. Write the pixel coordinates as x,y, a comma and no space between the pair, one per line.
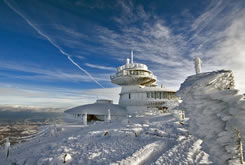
143,140
210,134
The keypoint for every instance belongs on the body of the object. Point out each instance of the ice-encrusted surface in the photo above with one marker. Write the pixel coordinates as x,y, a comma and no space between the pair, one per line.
215,109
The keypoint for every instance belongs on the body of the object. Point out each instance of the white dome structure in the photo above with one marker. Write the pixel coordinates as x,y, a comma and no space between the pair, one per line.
97,110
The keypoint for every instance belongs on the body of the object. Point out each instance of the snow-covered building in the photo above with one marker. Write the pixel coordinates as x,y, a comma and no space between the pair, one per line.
97,111
139,94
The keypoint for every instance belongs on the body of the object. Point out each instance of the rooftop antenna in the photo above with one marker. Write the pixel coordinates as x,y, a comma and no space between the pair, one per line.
197,62
132,56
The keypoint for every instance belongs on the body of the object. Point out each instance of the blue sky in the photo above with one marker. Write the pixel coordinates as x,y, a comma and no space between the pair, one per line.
37,37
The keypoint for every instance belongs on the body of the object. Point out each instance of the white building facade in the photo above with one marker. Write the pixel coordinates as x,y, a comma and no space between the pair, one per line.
139,93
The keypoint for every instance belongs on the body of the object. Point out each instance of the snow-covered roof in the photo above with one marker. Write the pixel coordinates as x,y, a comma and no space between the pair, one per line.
99,109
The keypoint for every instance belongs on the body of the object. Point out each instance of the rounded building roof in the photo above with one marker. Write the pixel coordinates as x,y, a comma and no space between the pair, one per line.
99,108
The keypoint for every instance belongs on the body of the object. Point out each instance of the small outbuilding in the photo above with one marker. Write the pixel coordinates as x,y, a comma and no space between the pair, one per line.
97,111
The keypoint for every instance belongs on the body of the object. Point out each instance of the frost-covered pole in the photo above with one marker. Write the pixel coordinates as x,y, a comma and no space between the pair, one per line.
198,63
239,140
7,147
241,151
109,115
85,117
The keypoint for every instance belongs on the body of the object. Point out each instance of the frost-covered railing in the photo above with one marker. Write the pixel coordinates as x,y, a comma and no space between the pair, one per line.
132,66
32,136
29,137
21,139
134,73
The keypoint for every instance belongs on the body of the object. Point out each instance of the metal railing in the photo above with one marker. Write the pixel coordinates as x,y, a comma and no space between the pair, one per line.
29,137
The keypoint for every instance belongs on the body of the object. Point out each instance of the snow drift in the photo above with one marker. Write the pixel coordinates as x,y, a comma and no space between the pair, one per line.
216,112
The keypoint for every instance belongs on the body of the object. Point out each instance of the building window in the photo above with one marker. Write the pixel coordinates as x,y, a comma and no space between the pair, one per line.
129,96
148,94
158,95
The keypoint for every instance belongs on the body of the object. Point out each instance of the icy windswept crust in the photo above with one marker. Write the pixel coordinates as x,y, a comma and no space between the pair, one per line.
215,109
223,79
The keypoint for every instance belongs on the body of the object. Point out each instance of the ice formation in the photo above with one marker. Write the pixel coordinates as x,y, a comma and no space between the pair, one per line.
216,112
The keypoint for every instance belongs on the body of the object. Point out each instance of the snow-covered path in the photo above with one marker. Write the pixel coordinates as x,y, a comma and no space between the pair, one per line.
143,140
186,152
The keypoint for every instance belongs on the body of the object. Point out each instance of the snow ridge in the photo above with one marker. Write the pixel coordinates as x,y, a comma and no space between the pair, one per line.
186,152
216,111
143,154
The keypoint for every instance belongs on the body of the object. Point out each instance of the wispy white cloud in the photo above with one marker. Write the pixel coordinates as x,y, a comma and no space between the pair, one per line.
153,42
46,74
212,11
230,52
100,67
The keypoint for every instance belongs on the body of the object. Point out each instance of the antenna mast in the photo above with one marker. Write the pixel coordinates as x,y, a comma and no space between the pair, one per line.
132,56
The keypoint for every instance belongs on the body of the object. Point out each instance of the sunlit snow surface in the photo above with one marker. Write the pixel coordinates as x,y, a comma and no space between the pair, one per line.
143,140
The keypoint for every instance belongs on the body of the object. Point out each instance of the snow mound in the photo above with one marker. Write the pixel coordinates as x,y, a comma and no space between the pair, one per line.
216,112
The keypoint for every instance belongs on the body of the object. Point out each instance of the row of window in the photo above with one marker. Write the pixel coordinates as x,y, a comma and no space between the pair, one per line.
161,95
135,65
158,95
133,72
136,72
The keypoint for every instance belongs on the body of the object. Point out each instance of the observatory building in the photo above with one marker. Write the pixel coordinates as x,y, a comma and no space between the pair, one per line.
139,94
